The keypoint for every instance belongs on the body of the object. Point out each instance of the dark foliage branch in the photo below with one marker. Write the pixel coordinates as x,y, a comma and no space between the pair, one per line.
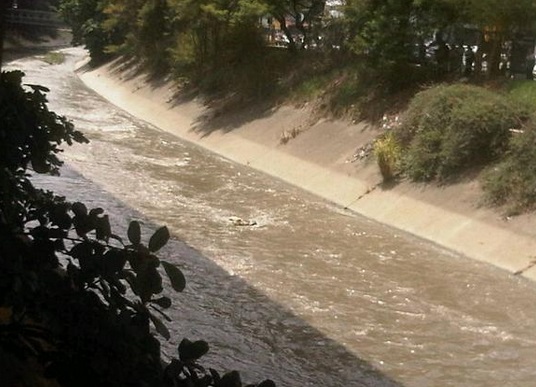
78,304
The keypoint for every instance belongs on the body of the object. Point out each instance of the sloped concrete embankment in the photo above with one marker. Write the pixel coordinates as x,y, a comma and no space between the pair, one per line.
324,160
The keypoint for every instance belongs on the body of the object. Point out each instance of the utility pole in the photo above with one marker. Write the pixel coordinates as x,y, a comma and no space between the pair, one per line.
3,11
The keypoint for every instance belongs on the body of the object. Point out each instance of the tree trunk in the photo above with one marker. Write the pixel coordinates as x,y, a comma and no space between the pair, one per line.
286,31
494,56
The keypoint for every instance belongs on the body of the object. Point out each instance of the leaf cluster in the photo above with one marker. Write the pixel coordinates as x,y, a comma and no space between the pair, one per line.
185,371
31,134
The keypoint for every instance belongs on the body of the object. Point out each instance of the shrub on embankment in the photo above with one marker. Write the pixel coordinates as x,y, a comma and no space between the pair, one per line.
512,181
449,130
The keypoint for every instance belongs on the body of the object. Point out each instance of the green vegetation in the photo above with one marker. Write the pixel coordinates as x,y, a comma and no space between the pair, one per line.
356,58
512,181
448,130
387,152
54,58
522,93
310,89
365,53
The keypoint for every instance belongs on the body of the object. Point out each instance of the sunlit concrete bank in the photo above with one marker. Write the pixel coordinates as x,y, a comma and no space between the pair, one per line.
322,160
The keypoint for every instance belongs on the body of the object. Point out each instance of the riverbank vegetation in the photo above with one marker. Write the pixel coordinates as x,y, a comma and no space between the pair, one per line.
54,58
353,59
391,45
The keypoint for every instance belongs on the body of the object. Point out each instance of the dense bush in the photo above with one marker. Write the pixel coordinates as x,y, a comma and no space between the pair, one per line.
522,93
512,182
450,129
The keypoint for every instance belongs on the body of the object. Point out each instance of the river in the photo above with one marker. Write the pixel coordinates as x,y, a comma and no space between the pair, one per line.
311,295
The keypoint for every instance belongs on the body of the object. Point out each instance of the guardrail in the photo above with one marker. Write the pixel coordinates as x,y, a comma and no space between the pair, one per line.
33,18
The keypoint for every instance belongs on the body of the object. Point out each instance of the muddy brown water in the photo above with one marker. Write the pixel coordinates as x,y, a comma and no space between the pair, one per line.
311,295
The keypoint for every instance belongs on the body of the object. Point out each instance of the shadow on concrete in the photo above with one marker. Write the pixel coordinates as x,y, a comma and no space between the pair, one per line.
224,113
218,119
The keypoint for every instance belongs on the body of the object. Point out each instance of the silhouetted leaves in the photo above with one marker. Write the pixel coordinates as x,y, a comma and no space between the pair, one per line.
190,351
79,209
163,302
81,251
134,232
114,261
178,282
96,309
159,239
59,216
230,379
160,327
103,228
146,283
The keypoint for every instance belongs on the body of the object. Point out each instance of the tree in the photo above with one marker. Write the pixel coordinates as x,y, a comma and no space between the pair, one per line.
381,29
214,37
304,14
153,33
498,22
3,12
389,32
85,17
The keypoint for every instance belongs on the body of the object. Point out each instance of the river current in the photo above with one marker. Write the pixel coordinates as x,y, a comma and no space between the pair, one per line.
311,295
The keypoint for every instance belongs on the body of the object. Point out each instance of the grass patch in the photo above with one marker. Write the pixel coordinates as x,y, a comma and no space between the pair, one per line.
311,88
387,152
523,93
54,58
347,92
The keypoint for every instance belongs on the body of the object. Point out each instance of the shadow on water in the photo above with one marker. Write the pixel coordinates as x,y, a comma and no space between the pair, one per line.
247,330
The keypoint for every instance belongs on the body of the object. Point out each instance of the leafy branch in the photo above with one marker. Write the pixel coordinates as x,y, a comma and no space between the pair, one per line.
77,301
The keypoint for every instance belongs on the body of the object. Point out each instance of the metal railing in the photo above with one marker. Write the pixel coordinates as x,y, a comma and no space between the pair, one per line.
33,18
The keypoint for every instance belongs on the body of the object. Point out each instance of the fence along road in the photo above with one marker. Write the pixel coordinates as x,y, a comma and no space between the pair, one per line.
29,17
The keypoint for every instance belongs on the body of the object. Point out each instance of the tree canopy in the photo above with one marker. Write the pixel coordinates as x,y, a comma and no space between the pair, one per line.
194,39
